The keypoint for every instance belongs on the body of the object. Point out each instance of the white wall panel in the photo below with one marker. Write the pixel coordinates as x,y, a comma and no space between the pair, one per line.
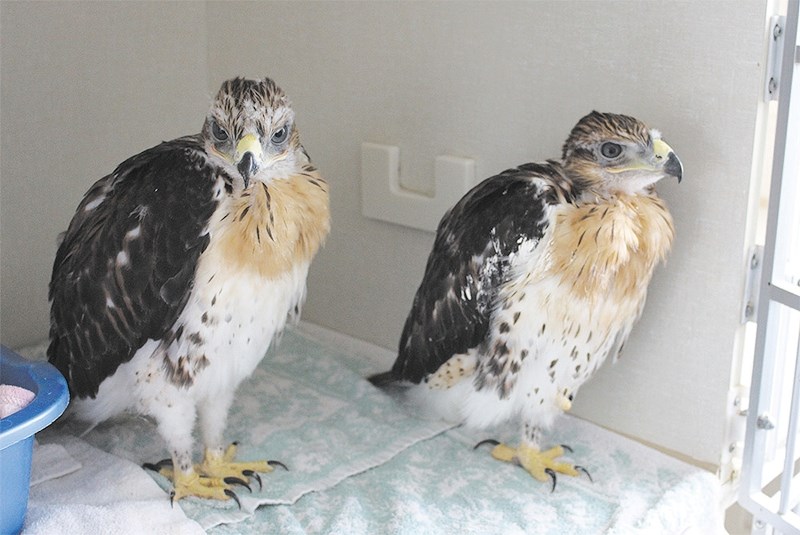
85,85
504,83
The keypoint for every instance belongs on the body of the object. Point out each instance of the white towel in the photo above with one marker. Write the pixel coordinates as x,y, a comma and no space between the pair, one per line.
51,461
106,495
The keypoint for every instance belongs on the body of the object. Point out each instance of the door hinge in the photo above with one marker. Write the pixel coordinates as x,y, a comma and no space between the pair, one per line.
752,283
772,82
730,467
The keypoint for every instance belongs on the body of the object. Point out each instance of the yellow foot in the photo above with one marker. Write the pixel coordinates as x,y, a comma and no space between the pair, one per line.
223,466
193,484
214,477
540,464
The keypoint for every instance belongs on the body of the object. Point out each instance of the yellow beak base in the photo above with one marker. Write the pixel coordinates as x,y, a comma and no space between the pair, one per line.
248,143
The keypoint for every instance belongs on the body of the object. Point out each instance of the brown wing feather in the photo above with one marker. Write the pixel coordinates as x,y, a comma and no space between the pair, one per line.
125,267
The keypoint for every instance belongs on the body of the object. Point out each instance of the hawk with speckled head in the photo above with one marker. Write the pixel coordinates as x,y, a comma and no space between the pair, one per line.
180,268
536,276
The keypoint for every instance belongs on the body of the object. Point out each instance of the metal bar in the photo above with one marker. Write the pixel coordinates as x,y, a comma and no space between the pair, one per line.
763,368
783,296
791,439
794,496
764,507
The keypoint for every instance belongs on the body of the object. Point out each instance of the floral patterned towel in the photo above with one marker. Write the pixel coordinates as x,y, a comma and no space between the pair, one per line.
442,486
360,464
307,405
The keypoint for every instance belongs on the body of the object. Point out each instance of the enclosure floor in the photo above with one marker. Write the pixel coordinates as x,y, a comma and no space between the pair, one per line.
361,463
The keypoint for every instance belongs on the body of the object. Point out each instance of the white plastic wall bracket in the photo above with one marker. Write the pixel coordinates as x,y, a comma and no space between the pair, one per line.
384,198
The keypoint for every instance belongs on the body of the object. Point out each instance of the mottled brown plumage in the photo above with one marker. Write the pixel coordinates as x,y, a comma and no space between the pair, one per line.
537,275
179,269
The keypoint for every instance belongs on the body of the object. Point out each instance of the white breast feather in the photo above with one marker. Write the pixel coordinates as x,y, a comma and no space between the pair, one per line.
553,323
247,314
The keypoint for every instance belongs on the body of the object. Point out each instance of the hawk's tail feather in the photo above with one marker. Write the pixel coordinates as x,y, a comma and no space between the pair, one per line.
383,379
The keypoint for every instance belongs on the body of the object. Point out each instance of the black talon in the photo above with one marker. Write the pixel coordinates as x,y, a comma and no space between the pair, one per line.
567,448
550,472
491,441
157,466
237,481
230,494
254,475
585,471
172,498
277,463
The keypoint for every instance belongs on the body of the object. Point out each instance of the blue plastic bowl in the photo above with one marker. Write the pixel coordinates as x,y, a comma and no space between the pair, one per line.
17,430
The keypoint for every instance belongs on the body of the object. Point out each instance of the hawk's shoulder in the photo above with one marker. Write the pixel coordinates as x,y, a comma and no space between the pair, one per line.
125,266
476,238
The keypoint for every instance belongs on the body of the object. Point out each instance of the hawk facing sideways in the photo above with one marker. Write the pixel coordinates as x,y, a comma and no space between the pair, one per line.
178,270
536,276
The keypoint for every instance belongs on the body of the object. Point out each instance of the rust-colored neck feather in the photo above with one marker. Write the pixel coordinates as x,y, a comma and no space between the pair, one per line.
610,247
272,227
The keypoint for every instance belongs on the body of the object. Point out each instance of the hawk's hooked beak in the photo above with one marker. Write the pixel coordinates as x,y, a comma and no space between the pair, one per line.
671,164
248,157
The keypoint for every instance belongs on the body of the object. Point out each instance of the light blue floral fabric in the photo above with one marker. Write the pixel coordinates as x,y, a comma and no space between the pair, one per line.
306,406
360,463
443,486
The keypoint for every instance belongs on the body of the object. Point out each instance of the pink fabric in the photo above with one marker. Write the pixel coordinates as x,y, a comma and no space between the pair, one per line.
13,398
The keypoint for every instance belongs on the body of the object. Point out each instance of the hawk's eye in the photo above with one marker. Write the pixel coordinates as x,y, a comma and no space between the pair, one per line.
610,150
280,135
218,132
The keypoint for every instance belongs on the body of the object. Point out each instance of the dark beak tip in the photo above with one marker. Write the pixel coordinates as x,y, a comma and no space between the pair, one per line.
674,167
247,167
